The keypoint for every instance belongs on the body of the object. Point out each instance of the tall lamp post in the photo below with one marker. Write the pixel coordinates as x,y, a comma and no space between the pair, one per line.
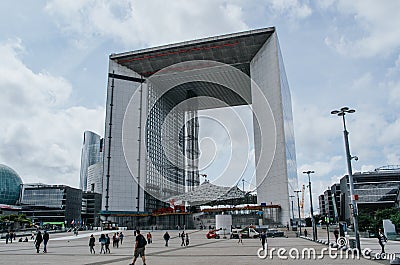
314,227
342,112
292,196
298,207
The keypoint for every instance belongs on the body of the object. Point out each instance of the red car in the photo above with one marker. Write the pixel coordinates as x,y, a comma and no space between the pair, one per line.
212,234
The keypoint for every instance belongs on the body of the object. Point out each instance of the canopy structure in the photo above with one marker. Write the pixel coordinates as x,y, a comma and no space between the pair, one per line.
208,192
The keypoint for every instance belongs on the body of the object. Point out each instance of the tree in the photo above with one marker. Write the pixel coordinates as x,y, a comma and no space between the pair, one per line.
365,221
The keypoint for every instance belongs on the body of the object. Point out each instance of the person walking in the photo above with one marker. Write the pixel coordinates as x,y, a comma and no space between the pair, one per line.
46,238
305,232
240,238
187,239
336,234
183,238
7,237
149,237
38,241
114,239
11,236
117,240
263,238
108,241
92,241
140,245
121,237
166,238
103,241
382,240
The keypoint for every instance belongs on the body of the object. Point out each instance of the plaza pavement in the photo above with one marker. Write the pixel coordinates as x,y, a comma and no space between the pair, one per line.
65,248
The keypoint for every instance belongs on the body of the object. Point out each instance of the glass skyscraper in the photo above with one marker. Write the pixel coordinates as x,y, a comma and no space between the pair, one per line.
91,154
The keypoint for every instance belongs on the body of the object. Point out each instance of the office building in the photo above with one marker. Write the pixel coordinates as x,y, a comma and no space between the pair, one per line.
53,204
378,189
95,178
321,200
91,154
91,206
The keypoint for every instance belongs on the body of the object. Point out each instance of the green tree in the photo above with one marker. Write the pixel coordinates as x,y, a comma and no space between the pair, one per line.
395,218
365,221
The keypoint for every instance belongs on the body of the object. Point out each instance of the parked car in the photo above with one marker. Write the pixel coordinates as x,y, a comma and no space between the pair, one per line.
212,234
275,233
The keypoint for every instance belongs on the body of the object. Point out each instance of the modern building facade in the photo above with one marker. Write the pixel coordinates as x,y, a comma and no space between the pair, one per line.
151,126
51,203
321,200
91,154
378,189
95,178
91,207
337,203
331,203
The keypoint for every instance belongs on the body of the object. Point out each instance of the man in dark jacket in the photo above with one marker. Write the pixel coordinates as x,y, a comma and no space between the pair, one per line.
46,238
166,238
263,238
38,241
92,241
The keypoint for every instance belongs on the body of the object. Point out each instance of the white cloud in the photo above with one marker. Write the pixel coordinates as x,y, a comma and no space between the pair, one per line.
41,138
322,168
293,9
374,31
150,22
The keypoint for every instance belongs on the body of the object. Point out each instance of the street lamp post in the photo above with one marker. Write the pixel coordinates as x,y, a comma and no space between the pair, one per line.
314,227
342,112
292,196
298,207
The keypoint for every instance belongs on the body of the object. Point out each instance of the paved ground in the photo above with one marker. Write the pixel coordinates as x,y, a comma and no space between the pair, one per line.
68,249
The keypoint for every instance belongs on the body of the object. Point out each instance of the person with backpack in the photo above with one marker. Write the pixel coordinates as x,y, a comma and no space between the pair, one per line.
166,238
140,246
108,241
103,242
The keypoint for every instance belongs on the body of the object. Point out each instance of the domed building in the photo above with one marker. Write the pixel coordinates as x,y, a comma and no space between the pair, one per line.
10,185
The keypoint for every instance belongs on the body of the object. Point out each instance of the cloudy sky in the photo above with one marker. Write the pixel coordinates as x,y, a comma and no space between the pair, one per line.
54,60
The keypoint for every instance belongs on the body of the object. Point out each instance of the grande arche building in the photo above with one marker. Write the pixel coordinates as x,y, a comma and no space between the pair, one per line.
151,126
